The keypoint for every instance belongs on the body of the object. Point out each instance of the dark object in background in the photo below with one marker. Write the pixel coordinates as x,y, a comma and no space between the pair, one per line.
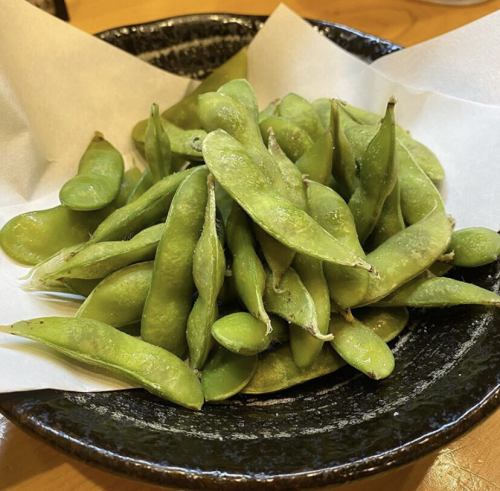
54,7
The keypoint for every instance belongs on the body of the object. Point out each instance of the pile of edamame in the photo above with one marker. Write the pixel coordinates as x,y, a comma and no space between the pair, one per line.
256,251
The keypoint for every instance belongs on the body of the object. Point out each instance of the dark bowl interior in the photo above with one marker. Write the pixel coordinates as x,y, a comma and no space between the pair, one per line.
331,430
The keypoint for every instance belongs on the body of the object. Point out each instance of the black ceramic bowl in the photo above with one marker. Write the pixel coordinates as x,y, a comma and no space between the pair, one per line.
338,428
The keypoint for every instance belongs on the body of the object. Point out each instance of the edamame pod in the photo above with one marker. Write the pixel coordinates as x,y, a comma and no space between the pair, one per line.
100,345
241,91
269,110
347,286
185,113
323,108
294,303
142,185
157,146
300,112
474,246
390,221
306,347
276,370
33,237
226,373
386,323
377,176
118,300
98,260
359,346
169,299
241,333
130,179
316,163
145,211
439,292
209,266
291,138
248,273
407,254
241,178
98,180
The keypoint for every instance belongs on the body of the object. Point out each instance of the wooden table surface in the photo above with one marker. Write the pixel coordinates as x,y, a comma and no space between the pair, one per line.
469,463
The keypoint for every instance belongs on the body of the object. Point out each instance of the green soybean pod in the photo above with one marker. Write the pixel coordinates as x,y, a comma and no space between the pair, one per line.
294,303
33,237
145,211
157,146
377,176
300,112
316,163
103,346
183,143
390,221
419,196
291,138
169,299
439,292
209,266
226,374
386,322
345,168
269,110
407,254
81,287
142,185
305,347
474,246
359,346
118,300
98,180
130,179
94,261
348,286
185,113
240,90
276,370
241,333
241,178
323,108
248,273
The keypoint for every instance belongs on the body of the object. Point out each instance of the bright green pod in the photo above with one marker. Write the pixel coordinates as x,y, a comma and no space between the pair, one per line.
95,261
291,138
209,266
241,91
248,273
269,110
361,347
276,370
170,297
390,221
294,303
33,237
145,211
377,176
439,292
185,112
316,163
323,108
157,146
226,374
306,347
99,345
242,179
348,286
386,323
142,185
299,111
130,179
118,300
98,180
241,333
474,246
407,254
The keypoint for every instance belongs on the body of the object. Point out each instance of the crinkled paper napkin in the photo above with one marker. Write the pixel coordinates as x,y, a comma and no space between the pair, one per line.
58,85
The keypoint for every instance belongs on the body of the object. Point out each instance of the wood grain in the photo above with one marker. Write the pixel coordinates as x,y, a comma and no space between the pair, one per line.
469,463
